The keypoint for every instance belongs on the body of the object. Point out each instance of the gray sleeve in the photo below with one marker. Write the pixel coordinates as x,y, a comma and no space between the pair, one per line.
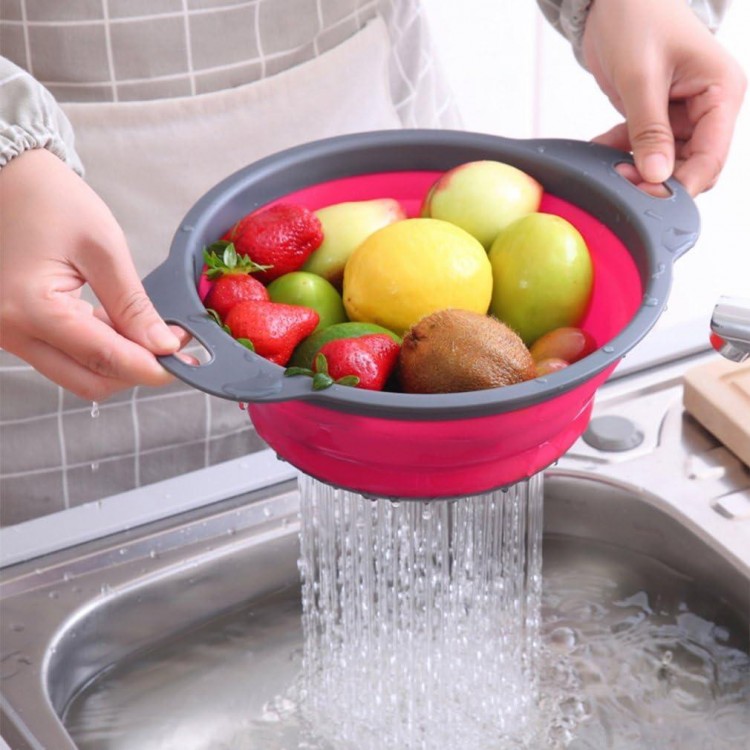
31,118
569,17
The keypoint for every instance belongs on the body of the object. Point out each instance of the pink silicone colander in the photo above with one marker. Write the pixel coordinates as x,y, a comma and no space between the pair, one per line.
446,445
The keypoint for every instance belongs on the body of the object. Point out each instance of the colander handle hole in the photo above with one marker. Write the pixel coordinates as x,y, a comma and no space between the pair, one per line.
193,352
627,170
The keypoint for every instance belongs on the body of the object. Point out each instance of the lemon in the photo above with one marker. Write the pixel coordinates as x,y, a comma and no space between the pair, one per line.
412,268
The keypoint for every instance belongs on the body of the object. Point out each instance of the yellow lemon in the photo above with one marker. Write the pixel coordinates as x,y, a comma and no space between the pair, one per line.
415,267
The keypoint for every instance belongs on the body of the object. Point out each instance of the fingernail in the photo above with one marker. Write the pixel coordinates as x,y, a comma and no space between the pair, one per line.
656,168
162,339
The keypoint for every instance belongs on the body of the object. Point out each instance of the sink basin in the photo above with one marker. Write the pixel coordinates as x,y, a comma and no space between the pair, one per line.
185,633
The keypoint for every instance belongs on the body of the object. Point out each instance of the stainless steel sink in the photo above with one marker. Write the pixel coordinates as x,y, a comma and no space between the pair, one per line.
129,605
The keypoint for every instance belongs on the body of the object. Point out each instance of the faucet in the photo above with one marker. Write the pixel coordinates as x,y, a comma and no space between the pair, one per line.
730,328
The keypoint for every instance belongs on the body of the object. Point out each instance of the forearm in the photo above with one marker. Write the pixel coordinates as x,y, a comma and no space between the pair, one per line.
31,118
569,17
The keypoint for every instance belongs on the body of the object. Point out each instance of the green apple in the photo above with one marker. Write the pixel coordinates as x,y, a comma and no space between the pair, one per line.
482,197
309,290
345,227
542,275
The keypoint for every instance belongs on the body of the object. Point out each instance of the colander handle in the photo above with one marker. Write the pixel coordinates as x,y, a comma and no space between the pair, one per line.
669,225
232,372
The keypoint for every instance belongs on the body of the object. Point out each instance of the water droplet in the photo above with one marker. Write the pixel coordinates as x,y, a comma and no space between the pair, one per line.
660,268
153,554
187,228
721,633
123,551
94,409
608,349
53,595
563,639
650,301
267,512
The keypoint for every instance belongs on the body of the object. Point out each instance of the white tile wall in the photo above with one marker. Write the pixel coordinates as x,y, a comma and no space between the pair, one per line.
515,76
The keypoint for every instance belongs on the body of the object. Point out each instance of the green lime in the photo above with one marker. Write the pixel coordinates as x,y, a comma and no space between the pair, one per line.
305,353
309,290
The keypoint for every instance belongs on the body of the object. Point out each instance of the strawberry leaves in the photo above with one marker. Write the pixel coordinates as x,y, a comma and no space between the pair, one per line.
221,258
321,379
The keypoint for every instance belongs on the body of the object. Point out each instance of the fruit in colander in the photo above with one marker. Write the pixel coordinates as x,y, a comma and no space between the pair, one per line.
482,197
345,227
453,351
414,267
542,275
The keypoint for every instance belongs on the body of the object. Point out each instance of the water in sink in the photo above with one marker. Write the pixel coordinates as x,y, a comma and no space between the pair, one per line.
633,657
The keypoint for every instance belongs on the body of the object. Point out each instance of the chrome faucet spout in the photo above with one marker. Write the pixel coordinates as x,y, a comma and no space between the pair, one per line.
730,325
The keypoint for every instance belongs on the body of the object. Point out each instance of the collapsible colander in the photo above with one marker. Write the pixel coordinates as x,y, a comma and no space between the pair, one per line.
444,445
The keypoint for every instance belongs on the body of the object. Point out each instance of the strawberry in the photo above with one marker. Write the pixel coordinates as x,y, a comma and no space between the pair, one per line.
363,362
280,236
227,291
232,282
273,328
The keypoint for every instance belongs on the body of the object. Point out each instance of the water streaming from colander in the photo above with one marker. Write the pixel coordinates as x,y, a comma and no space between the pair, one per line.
421,619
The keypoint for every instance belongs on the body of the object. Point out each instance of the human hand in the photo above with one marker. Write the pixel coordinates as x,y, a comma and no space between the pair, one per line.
678,88
56,235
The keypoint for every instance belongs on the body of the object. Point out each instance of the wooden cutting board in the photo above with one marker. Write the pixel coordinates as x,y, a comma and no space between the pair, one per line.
717,394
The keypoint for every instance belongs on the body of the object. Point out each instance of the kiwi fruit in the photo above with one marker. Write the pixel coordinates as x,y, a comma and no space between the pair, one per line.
451,351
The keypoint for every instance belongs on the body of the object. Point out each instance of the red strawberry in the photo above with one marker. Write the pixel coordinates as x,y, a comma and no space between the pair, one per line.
227,291
231,278
273,328
280,236
370,359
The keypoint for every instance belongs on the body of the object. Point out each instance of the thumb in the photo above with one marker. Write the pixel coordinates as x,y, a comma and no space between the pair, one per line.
650,133
112,276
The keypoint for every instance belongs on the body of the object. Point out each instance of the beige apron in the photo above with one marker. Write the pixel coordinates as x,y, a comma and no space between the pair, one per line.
150,161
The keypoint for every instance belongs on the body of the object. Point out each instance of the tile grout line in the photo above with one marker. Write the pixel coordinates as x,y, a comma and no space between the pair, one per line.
26,40
63,448
259,41
136,438
108,44
207,439
188,46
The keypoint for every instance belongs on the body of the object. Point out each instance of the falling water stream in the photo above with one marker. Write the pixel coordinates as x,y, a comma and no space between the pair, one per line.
421,619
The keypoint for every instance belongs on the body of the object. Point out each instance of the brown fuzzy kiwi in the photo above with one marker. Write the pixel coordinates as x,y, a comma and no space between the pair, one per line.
451,351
